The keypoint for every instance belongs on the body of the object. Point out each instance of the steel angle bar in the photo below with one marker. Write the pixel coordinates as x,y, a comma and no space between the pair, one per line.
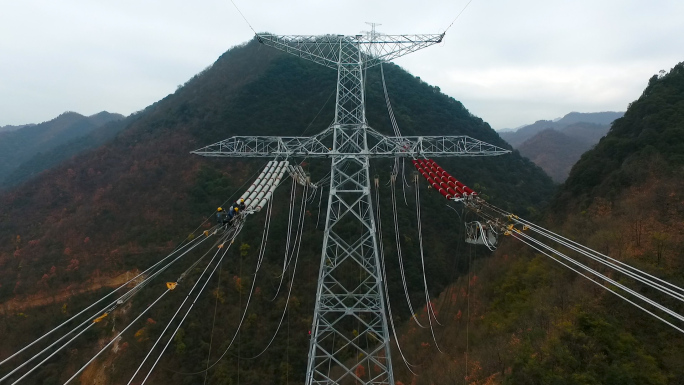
434,146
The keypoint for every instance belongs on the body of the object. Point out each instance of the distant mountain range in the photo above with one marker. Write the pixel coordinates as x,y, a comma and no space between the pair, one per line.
118,207
14,128
19,145
556,145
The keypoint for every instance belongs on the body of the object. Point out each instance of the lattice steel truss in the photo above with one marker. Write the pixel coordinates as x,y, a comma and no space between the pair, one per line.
350,342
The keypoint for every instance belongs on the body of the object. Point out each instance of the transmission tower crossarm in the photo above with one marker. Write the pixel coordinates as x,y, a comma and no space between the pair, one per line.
382,146
433,146
325,49
266,146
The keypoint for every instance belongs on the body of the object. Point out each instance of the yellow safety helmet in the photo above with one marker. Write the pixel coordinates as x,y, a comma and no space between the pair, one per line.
242,200
236,209
219,209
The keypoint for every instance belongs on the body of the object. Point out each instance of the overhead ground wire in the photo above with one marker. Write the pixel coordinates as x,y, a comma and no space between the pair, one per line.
243,17
457,16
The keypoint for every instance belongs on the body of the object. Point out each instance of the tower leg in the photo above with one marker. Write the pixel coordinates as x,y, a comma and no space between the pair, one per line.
350,340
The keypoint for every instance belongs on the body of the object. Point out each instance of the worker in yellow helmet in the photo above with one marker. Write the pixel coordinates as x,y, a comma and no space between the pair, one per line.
233,213
221,217
240,204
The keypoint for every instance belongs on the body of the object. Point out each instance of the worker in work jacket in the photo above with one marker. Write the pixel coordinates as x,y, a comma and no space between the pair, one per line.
239,204
233,213
221,216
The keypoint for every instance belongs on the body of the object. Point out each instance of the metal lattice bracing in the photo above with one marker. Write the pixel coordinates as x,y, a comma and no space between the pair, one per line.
382,147
371,48
350,341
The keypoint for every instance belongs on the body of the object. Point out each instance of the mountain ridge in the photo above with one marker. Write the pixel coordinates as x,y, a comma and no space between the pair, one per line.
20,146
521,318
113,209
517,136
554,151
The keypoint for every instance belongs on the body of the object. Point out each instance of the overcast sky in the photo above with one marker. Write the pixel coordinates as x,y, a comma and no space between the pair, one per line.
509,62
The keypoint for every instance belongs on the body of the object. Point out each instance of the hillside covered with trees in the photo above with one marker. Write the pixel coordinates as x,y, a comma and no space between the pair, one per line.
21,147
532,321
71,235
557,145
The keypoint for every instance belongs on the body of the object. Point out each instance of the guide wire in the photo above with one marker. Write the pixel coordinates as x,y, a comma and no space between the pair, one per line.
298,239
237,330
287,303
639,275
199,279
612,263
117,337
401,260
237,231
111,306
604,277
290,215
600,284
93,304
48,357
381,250
428,303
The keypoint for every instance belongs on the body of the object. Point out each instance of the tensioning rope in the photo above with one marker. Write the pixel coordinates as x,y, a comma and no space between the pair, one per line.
199,279
237,231
107,309
399,254
600,284
428,303
381,250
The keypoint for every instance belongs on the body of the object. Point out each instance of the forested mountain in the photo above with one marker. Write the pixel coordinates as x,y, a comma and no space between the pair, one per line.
517,137
554,151
533,321
13,128
45,160
21,145
70,235
555,146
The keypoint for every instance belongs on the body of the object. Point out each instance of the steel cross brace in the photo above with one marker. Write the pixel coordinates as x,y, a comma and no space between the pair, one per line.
385,147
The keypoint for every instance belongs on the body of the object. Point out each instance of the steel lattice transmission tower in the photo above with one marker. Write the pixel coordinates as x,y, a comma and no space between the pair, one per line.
349,328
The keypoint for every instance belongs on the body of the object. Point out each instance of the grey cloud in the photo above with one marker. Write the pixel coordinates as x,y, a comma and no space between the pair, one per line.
509,62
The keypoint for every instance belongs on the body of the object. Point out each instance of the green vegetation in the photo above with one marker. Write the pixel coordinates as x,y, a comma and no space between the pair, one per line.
648,139
35,148
122,206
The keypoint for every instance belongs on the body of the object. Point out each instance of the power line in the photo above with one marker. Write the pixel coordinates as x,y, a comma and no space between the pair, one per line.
457,16
243,17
